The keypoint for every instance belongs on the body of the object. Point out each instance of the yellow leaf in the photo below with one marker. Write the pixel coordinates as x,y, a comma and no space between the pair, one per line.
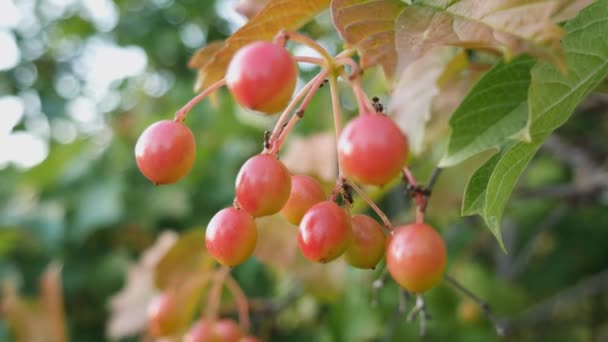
276,16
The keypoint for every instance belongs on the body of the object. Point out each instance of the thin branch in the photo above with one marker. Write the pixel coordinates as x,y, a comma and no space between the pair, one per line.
485,307
241,302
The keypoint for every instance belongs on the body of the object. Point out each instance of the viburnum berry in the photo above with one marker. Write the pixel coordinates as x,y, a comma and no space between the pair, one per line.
262,76
165,152
368,244
227,330
372,149
231,236
202,331
164,315
416,257
263,185
324,232
305,192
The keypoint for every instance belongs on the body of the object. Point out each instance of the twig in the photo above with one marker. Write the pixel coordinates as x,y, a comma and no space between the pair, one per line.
420,311
485,307
241,301
524,256
375,208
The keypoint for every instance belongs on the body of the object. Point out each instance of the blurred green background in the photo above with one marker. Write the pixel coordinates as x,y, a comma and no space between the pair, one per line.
81,79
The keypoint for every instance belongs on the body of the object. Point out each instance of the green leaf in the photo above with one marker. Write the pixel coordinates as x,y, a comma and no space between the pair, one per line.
552,97
494,111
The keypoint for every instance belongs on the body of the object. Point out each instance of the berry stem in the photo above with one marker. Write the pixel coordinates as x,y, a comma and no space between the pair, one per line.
375,208
241,302
312,60
278,127
419,197
215,294
315,83
355,80
335,106
180,115
305,40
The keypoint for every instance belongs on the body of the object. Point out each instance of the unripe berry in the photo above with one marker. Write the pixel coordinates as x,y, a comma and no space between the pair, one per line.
324,232
368,244
165,152
416,257
305,192
231,236
262,185
372,149
262,76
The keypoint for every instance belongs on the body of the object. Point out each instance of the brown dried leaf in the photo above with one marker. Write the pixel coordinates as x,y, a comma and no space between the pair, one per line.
249,8
128,308
370,27
312,155
394,35
186,257
411,100
509,27
276,16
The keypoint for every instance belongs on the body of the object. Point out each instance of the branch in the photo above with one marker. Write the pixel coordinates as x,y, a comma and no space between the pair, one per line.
499,326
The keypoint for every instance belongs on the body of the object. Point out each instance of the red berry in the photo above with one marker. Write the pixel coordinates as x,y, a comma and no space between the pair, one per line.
165,152
368,244
164,315
202,331
263,185
262,76
305,192
231,236
226,330
324,232
249,339
416,257
372,149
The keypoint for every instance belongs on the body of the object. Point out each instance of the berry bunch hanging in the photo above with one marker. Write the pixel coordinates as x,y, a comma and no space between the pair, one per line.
372,150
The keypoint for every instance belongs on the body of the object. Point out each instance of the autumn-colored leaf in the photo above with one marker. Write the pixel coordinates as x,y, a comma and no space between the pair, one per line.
370,27
510,27
411,101
312,155
203,55
277,15
186,257
128,308
395,35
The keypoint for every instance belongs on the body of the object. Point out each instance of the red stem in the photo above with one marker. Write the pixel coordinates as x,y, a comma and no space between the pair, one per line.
312,60
241,302
419,198
180,115
381,214
315,84
215,294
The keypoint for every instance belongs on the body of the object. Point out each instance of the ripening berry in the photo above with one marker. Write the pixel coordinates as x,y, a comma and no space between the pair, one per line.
202,331
324,232
305,192
262,76
165,152
416,257
231,236
226,330
372,149
262,185
368,244
164,315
